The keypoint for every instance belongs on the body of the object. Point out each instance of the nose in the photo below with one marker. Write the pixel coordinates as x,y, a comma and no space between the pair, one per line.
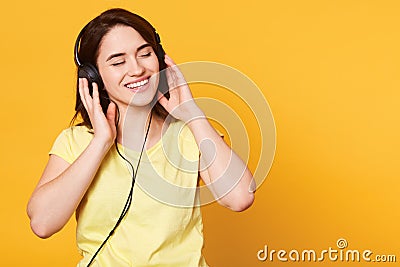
135,68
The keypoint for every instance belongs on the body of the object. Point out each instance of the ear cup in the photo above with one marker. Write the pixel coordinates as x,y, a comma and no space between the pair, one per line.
160,50
163,82
160,53
90,72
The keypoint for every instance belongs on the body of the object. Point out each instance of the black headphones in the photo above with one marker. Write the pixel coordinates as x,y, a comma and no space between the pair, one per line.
90,72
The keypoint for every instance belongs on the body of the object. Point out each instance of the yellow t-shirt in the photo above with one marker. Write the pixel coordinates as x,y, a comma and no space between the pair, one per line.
163,226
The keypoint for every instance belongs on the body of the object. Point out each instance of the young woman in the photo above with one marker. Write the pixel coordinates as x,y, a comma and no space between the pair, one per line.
127,108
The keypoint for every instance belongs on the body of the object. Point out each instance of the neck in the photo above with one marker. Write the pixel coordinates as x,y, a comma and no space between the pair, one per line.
133,125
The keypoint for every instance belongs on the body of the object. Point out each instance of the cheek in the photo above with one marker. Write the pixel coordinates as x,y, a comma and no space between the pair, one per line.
109,77
153,64
153,67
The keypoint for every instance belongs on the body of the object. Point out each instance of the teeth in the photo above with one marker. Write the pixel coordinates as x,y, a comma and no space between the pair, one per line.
137,84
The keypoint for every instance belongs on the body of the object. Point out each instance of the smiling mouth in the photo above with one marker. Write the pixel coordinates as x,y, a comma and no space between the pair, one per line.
136,84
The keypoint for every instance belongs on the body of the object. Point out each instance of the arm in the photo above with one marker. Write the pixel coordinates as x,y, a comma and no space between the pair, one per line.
61,188
63,185
221,168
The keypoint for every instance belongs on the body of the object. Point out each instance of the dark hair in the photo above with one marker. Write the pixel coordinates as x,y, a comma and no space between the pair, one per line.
89,50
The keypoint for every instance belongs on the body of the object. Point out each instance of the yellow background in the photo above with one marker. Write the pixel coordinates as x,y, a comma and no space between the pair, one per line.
329,69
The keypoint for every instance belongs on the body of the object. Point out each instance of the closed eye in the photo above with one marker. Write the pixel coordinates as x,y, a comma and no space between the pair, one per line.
118,63
146,55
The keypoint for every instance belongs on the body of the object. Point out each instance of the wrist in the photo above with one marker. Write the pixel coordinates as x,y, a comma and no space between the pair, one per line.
102,144
192,115
197,122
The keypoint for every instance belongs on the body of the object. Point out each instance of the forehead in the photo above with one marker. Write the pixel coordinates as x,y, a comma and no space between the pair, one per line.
120,39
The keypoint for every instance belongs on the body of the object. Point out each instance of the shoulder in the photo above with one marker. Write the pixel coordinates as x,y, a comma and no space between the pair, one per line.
70,143
76,134
78,131
181,134
181,130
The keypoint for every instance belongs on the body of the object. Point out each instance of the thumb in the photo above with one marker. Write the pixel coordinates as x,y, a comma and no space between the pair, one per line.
162,99
111,111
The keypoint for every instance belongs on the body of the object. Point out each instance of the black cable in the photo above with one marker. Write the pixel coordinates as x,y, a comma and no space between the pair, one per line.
129,199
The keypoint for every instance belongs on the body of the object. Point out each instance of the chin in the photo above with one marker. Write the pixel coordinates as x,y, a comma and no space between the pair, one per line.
142,100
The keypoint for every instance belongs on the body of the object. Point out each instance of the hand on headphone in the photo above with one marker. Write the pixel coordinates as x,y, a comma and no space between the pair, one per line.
180,104
103,125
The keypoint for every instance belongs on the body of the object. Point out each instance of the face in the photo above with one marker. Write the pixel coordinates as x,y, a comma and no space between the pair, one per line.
128,66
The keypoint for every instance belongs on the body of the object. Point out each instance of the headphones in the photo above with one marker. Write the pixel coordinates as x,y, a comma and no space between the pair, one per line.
90,72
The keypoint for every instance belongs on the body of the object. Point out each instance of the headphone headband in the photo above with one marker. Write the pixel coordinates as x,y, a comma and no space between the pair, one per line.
76,48
78,41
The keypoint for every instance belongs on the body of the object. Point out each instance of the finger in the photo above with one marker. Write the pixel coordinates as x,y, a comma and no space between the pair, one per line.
172,66
170,79
177,75
162,100
86,94
168,60
96,98
111,113
81,93
174,90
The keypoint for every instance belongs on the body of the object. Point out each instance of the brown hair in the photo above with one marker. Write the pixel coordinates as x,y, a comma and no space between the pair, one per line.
90,42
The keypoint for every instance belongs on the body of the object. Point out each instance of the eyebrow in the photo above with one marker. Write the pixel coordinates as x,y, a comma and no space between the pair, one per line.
122,54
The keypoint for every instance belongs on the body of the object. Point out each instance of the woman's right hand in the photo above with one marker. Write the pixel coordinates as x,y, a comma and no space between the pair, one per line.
63,184
103,125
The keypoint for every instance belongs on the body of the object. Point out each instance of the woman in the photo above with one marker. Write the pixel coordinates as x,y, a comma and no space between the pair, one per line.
85,173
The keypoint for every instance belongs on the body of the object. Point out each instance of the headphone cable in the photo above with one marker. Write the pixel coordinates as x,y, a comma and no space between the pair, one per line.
129,199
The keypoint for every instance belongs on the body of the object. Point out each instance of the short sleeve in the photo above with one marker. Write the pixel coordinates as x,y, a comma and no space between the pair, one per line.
188,143
62,146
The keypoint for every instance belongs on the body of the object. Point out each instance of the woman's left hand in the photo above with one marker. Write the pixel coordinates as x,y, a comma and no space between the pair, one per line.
180,104
217,160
